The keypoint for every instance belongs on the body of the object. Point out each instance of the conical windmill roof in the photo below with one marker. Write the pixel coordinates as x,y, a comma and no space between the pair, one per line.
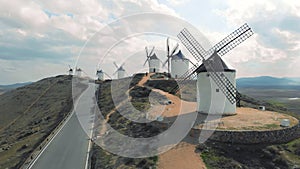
121,68
179,56
152,57
222,67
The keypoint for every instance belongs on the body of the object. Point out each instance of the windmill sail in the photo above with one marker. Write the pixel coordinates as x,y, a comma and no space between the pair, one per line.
231,41
212,66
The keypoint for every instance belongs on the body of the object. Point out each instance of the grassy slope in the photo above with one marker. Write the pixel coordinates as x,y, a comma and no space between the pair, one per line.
24,125
276,96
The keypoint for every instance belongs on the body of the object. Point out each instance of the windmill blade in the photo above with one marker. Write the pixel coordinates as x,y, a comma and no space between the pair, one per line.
146,49
197,51
122,64
164,63
69,66
191,44
146,61
174,49
226,87
190,72
116,65
151,52
147,55
191,62
168,48
231,41
115,72
215,70
181,81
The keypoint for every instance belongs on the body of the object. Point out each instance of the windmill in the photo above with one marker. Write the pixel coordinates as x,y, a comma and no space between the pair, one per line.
223,84
120,70
100,74
170,54
153,61
70,70
78,72
179,65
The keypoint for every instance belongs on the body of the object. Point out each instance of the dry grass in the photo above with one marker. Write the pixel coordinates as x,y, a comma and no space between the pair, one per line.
28,116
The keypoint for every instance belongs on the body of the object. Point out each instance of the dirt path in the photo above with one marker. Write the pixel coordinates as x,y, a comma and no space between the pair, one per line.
144,79
181,156
107,117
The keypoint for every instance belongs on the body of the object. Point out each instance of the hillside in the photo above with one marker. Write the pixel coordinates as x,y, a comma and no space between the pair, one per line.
14,86
268,81
215,155
29,114
5,88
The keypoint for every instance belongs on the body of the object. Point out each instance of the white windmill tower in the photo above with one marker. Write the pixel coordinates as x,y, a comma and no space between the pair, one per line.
153,61
120,71
100,74
70,70
179,65
216,83
169,54
208,90
78,72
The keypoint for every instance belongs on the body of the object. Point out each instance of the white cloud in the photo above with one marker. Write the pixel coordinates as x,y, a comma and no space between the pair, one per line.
61,27
177,2
275,41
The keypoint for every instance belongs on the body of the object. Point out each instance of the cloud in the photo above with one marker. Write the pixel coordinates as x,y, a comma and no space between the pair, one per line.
276,25
55,31
177,2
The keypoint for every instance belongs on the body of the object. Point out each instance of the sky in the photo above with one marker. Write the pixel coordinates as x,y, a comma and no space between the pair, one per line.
41,38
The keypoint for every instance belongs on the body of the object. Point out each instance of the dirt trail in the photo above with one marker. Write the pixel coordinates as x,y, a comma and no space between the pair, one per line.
144,79
178,106
181,156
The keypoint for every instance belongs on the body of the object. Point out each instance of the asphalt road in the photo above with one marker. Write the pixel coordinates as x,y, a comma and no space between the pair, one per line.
69,149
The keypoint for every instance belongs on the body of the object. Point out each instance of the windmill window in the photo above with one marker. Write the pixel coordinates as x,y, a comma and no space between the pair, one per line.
207,75
217,90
